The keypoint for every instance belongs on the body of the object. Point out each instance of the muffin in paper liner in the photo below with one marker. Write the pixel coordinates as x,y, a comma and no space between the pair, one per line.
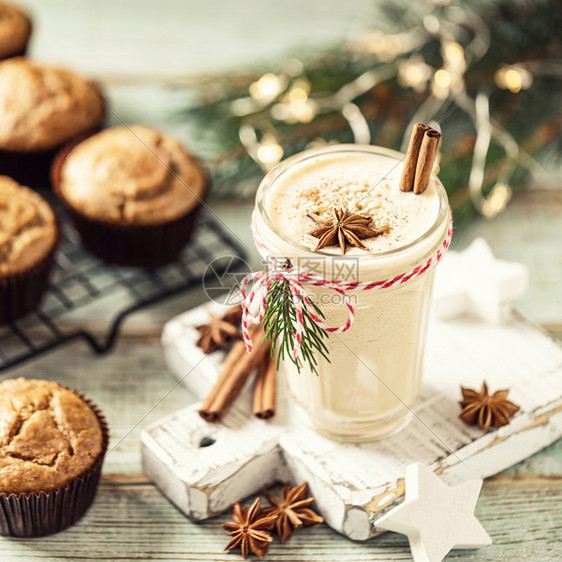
21,293
138,245
33,167
36,514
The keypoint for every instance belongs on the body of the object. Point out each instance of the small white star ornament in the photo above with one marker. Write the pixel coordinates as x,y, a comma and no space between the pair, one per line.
474,282
435,517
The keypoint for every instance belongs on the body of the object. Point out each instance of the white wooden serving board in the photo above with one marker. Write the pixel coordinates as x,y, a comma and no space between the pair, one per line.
355,484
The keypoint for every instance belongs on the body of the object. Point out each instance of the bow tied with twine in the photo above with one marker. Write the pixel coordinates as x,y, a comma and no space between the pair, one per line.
256,300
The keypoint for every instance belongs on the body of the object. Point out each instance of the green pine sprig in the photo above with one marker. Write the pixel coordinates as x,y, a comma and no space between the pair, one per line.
280,327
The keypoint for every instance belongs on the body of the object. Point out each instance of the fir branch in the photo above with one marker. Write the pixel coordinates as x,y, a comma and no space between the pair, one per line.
280,328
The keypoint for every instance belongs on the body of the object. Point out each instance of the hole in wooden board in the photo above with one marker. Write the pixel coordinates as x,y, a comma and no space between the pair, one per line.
206,442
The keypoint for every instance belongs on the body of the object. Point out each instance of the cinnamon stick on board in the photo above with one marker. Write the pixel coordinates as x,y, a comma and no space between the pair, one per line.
266,389
411,161
426,159
237,367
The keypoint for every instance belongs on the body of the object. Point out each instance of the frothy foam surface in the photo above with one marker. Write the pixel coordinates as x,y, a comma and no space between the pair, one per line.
363,183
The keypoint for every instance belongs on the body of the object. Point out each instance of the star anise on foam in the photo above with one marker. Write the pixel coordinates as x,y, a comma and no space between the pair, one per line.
217,334
292,510
343,229
249,530
484,409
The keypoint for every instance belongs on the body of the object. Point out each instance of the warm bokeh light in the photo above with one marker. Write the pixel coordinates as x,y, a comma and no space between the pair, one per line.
497,201
386,47
270,151
513,78
414,73
266,88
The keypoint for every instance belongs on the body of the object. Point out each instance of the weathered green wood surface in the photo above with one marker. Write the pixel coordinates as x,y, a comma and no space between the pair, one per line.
134,522
130,519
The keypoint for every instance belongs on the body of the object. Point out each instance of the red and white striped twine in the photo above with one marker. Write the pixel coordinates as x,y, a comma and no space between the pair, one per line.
254,302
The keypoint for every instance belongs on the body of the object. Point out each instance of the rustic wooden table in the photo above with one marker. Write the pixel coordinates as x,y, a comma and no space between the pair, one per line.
130,519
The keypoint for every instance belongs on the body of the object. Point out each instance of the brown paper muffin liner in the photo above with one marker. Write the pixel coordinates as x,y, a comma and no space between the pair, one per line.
37,514
129,244
28,168
135,245
33,168
22,293
14,54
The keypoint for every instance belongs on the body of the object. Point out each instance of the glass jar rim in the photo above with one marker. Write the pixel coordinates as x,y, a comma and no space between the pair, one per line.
283,167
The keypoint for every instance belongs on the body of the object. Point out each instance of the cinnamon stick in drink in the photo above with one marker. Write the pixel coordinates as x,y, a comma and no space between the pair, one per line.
238,366
411,161
266,389
426,159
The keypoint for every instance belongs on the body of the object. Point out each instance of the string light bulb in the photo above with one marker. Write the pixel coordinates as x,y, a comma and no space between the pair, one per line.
453,56
497,201
295,106
513,78
414,73
386,47
441,85
299,91
266,88
269,151
449,79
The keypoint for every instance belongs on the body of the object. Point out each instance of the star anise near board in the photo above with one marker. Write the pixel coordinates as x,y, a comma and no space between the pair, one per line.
217,333
233,315
484,409
249,530
292,510
345,228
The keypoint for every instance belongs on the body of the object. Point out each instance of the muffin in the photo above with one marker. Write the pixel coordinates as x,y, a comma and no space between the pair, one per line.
15,30
28,240
42,109
132,193
52,444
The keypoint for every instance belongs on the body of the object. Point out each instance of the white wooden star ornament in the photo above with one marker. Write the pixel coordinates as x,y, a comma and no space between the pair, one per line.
474,282
436,518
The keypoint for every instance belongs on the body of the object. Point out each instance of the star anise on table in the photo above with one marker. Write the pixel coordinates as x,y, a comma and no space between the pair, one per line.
233,315
344,229
217,334
291,510
484,409
249,530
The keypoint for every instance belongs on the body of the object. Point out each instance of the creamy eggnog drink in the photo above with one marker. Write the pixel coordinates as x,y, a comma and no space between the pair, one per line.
369,384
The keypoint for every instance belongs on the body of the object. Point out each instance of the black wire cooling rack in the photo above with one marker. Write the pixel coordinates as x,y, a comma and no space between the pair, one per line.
80,280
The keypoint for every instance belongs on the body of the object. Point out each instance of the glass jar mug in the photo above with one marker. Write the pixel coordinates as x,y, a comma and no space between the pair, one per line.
368,387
